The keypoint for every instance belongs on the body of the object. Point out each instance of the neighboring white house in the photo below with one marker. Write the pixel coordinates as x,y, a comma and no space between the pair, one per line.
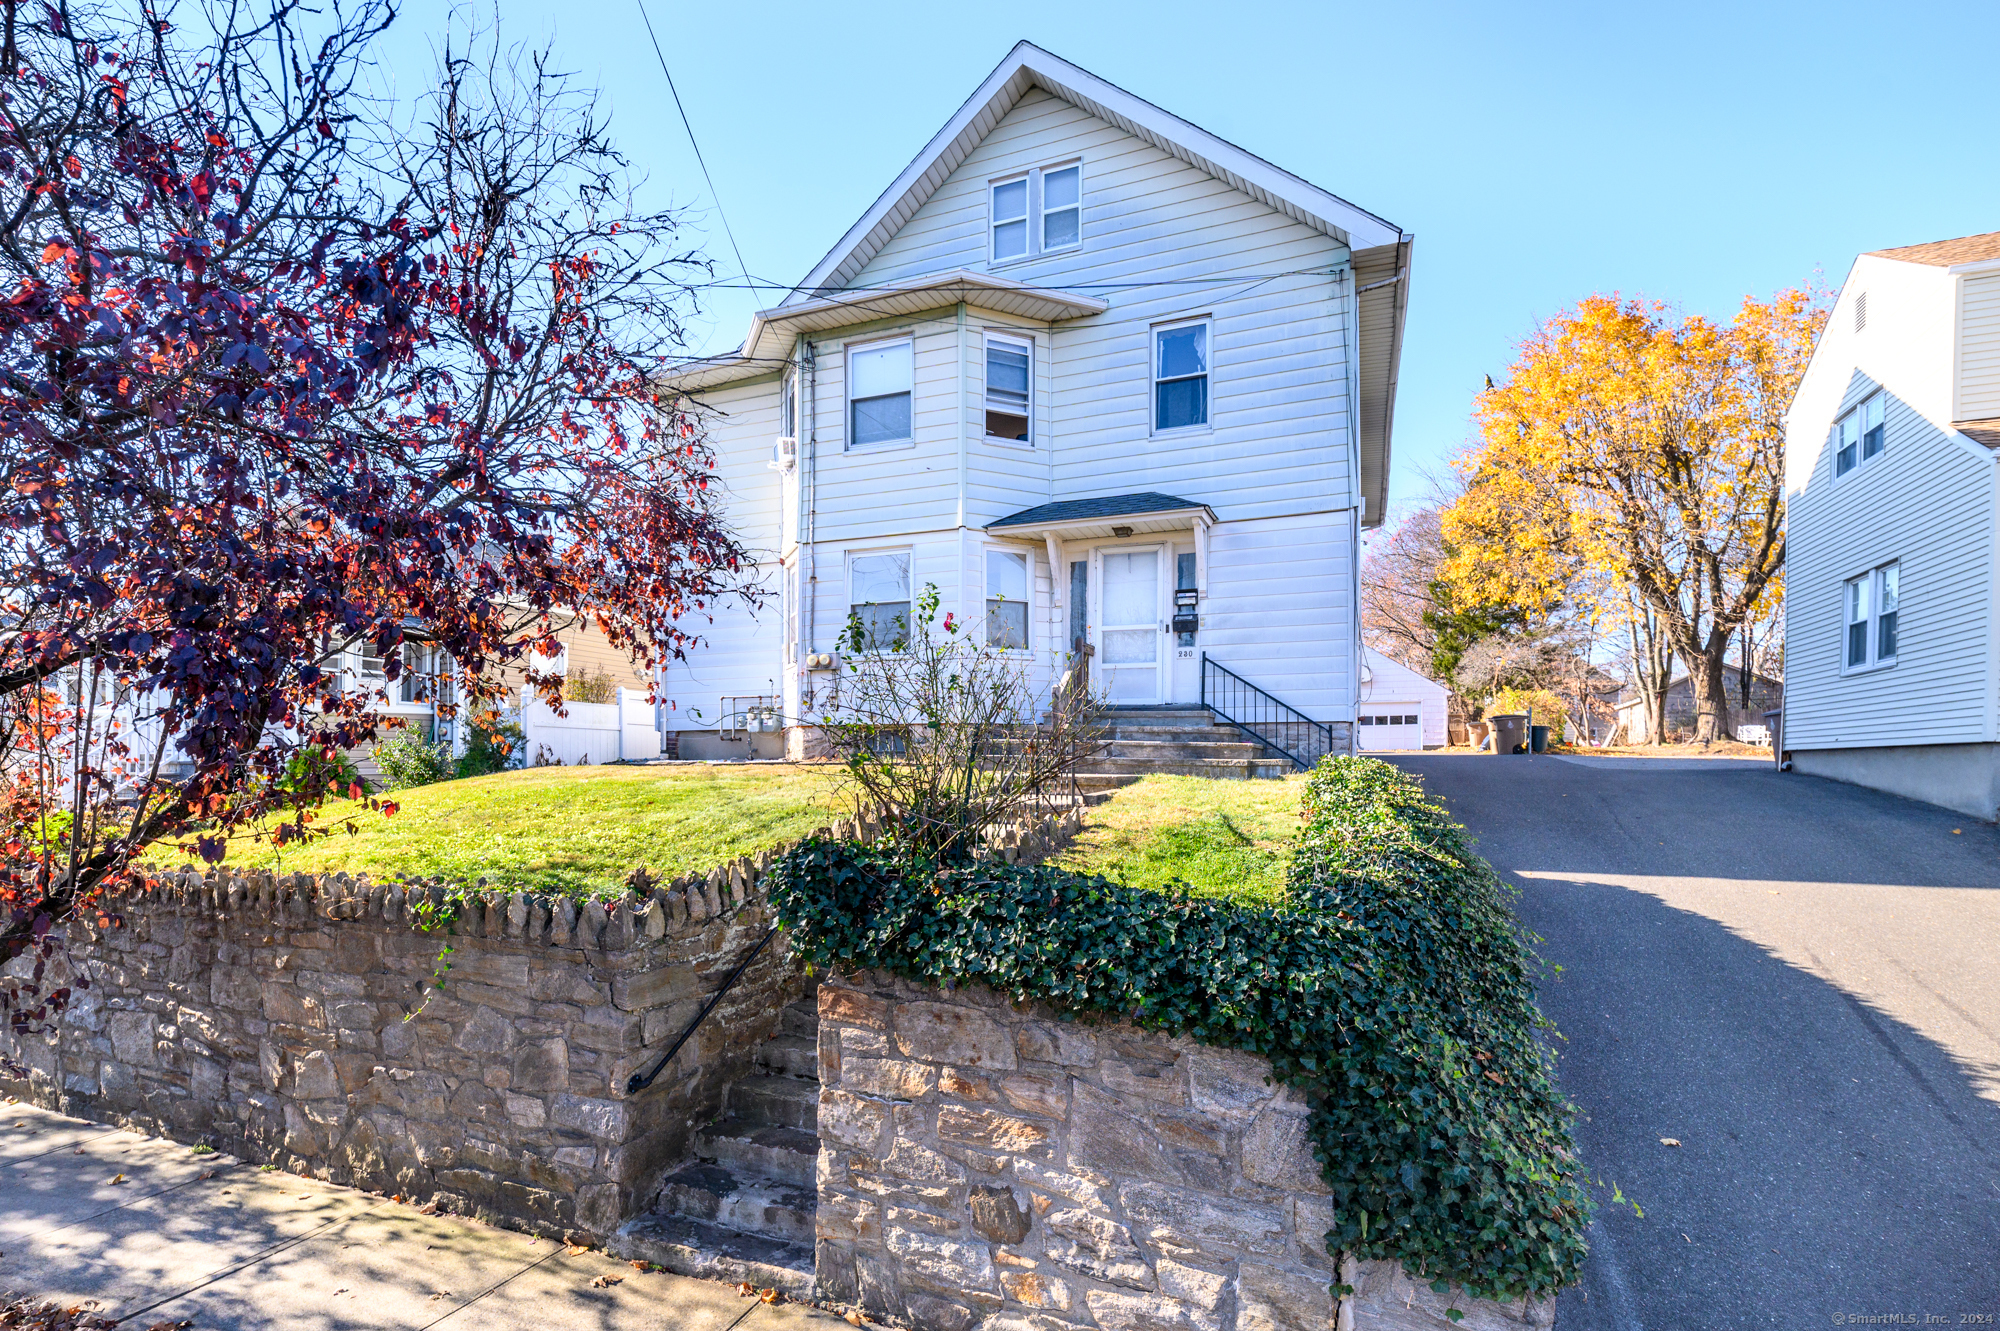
1080,364
1400,709
1892,679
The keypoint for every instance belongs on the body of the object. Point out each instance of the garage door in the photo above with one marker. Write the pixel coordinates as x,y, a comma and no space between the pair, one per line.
1391,725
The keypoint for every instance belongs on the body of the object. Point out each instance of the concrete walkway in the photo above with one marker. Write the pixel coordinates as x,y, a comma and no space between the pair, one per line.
1779,1007
154,1232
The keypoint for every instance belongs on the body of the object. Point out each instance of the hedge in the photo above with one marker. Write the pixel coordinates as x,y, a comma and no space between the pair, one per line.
1394,988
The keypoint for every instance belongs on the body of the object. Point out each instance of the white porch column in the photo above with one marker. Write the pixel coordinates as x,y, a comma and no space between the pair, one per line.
1058,599
1201,557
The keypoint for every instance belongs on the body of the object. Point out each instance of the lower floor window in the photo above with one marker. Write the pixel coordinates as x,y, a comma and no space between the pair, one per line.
1007,600
1872,600
1388,720
879,601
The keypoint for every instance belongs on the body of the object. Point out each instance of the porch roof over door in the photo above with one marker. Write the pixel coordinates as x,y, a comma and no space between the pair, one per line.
1112,515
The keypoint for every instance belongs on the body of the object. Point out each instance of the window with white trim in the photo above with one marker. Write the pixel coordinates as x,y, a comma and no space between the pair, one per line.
1858,436
788,407
1010,394
1871,619
1180,376
1007,600
878,599
1036,212
880,377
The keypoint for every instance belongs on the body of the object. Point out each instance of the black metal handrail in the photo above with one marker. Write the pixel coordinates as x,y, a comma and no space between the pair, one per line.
1270,721
639,1081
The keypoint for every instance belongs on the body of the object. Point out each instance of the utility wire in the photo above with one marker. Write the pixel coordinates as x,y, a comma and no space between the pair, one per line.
742,267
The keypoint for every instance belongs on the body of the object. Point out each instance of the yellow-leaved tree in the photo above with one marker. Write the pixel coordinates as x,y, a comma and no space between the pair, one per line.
1647,448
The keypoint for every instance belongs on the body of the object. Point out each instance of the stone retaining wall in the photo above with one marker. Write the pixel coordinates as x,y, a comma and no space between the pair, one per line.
985,1164
297,1021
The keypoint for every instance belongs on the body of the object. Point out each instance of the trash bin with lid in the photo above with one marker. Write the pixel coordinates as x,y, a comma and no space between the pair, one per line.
1510,732
1539,737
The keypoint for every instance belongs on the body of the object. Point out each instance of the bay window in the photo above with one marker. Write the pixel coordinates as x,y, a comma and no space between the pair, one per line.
1007,599
880,377
878,596
1009,388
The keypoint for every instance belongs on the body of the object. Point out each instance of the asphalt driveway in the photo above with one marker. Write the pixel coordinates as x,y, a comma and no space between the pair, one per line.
1799,982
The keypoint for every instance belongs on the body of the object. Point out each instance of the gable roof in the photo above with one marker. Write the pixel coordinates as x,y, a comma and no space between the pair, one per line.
1029,66
1947,253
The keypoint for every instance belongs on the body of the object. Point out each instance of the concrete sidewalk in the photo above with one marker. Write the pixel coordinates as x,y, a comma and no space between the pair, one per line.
153,1232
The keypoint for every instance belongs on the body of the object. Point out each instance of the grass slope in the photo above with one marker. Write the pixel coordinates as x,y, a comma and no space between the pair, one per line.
1227,839
572,830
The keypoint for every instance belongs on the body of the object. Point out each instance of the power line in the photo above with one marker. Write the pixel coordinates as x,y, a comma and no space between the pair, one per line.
727,230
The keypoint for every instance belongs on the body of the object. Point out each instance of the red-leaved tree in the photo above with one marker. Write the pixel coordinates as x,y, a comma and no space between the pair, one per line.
284,374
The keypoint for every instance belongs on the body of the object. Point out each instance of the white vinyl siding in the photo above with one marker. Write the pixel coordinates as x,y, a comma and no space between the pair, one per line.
1979,348
1927,507
1278,441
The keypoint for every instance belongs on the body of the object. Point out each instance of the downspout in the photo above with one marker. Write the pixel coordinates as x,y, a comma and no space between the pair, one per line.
809,496
964,457
1350,299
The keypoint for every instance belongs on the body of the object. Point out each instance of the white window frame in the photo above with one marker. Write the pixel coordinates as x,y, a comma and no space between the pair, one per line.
1034,217
1022,342
1153,380
1857,416
1876,584
909,584
987,598
878,344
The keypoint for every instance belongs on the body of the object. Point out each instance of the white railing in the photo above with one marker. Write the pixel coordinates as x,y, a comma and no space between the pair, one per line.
589,732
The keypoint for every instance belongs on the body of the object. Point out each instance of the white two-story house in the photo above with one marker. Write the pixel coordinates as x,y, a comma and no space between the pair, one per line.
1892,652
1101,378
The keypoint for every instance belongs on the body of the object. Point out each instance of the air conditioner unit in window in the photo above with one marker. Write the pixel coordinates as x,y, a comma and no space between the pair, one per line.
784,453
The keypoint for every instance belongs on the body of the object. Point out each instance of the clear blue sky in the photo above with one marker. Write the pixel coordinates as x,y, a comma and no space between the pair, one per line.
1688,152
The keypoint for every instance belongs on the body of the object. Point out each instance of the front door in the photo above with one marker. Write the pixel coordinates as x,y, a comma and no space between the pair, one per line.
1129,651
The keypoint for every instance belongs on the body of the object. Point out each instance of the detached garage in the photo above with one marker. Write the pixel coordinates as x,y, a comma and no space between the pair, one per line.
1399,708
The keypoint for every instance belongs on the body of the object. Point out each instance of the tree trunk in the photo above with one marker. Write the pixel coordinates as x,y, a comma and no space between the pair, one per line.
1709,677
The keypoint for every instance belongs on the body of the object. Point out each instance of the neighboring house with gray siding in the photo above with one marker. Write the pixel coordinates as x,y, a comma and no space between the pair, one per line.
1892,679
1080,359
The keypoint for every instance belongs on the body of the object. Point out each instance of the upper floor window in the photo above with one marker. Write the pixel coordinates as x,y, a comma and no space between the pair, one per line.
788,407
878,599
1062,208
1007,599
1010,364
1180,376
1010,219
1038,211
1871,619
1858,436
880,377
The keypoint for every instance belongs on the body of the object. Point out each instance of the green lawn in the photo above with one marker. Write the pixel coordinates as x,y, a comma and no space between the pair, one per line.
572,830
1222,838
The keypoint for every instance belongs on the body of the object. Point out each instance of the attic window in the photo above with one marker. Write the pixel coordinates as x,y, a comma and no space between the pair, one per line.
1037,212
1860,311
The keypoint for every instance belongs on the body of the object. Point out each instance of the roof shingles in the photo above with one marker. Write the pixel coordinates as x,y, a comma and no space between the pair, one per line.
1946,253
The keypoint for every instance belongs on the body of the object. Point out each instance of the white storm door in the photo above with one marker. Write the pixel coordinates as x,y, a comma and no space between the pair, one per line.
1130,648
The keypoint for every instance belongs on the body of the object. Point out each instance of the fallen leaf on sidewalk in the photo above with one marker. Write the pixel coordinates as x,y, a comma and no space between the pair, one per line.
853,1319
77,1151
606,1282
572,1249
745,1288
117,1178
441,1294
770,1296
170,1326
209,1175
1670,1141
432,1209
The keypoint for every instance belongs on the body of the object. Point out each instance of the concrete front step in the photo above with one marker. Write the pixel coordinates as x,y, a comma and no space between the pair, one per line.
775,1208
785,1102
691,1247
790,1055
786,1154
1168,750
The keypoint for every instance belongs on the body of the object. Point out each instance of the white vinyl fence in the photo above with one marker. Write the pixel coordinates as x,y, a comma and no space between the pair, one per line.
590,732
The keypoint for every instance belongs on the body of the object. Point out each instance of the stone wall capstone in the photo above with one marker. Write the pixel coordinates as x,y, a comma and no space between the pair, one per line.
298,1021
989,1164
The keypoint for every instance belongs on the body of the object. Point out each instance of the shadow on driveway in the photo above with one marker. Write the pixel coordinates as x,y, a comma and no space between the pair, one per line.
1796,980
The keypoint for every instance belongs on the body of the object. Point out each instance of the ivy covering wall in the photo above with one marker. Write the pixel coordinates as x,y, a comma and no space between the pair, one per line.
1393,986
